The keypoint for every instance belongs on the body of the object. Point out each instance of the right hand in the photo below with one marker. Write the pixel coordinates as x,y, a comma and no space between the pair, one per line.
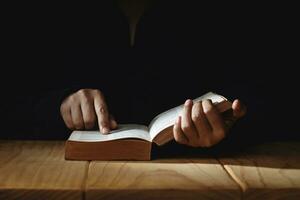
84,108
202,125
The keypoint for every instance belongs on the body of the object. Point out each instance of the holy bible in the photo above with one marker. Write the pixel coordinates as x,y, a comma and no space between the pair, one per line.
131,141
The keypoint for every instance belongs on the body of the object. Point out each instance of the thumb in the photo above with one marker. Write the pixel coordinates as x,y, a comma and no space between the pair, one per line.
239,109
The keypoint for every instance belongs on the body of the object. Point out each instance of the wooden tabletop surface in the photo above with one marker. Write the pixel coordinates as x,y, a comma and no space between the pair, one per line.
37,170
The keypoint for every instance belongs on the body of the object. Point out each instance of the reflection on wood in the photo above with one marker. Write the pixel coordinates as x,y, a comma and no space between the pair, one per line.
270,171
161,179
37,170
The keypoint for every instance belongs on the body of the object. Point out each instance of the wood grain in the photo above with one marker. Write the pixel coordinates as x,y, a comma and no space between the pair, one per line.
37,170
269,171
160,179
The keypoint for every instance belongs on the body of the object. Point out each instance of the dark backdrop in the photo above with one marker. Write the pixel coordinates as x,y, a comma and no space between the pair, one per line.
182,50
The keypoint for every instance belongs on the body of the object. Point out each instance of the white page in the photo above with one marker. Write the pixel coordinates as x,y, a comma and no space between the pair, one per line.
168,118
124,131
164,120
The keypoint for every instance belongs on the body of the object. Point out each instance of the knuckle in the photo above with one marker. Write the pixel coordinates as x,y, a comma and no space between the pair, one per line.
196,117
83,93
97,92
72,99
198,105
186,128
101,109
207,107
63,108
84,100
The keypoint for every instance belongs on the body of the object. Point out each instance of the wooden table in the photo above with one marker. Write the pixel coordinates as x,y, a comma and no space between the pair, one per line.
37,170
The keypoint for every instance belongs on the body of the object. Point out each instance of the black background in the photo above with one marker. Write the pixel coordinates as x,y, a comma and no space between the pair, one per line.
182,50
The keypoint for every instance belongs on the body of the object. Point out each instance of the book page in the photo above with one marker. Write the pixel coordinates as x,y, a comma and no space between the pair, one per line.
164,120
167,119
124,131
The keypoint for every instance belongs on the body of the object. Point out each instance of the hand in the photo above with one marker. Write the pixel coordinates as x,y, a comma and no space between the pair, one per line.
86,107
201,124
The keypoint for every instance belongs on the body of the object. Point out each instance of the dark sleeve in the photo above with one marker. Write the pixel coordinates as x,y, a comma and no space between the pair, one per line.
34,116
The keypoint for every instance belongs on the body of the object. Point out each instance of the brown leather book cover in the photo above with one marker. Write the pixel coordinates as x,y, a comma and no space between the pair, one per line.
123,149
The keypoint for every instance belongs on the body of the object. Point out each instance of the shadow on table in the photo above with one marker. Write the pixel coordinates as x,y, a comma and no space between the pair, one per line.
273,154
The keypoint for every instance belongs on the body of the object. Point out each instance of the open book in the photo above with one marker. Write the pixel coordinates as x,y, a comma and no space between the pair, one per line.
131,141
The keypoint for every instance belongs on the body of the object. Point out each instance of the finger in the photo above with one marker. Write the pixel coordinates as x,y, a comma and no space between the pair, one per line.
202,125
215,120
102,113
113,122
178,134
77,117
239,109
88,113
66,115
200,121
187,124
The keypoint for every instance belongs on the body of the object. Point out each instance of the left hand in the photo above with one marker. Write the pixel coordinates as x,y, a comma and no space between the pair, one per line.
201,124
